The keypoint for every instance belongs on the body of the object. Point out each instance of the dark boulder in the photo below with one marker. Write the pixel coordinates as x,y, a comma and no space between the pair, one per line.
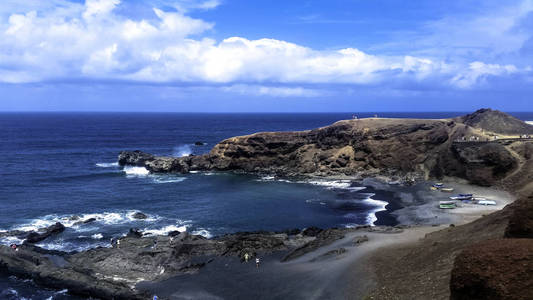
134,158
311,231
134,233
90,220
139,216
35,237
198,143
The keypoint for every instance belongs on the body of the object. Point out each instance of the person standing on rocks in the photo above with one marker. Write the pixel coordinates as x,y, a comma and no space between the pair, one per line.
257,261
246,257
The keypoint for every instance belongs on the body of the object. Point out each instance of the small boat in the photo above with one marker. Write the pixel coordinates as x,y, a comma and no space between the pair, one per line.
479,199
433,188
438,184
396,182
462,197
448,190
446,204
486,202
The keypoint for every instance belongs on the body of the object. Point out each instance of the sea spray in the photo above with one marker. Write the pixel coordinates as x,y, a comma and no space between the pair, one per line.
136,171
182,150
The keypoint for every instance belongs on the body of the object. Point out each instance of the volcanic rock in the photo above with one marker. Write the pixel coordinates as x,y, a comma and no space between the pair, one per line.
134,233
34,237
134,158
139,216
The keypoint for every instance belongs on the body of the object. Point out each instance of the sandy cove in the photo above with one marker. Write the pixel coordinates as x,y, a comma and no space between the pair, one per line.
343,269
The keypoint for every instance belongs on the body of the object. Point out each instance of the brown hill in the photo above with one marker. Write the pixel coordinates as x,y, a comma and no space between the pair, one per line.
497,122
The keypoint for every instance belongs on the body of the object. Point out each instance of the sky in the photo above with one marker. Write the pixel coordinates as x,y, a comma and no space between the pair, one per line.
266,56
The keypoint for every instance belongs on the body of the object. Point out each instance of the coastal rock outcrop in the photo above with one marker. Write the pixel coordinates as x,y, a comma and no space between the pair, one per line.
114,272
134,158
469,147
35,237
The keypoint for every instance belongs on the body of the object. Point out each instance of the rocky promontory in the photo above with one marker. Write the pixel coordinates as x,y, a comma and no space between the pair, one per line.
483,147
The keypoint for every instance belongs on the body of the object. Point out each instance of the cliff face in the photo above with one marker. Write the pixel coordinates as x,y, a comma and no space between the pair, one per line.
409,148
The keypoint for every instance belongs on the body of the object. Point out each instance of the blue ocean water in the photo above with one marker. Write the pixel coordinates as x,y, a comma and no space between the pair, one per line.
58,165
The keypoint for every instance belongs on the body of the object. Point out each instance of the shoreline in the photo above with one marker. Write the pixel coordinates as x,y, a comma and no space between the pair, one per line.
405,210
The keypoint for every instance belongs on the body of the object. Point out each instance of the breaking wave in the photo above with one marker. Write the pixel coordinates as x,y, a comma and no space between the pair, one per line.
107,165
181,151
136,171
380,206
77,221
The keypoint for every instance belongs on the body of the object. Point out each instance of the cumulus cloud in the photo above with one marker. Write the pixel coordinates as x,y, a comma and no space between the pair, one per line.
478,72
92,41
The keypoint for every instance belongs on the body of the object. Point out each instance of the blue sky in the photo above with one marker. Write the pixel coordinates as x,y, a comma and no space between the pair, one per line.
289,56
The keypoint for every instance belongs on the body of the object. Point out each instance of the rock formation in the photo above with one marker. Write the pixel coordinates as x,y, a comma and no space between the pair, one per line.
409,148
113,273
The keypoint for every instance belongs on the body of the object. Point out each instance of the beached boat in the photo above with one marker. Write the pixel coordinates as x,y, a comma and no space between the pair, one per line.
433,188
486,202
448,190
438,184
462,197
447,204
396,182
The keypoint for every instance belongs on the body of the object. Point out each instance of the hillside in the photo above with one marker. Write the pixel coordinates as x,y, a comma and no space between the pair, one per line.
496,121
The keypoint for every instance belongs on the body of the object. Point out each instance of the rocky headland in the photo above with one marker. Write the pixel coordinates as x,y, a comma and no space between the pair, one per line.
485,148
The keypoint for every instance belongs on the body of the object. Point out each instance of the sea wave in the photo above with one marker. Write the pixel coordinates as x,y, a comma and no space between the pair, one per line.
76,245
107,165
76,221
203,232
343,184
168,179
136,171
97,236
380,206
166,230
182,150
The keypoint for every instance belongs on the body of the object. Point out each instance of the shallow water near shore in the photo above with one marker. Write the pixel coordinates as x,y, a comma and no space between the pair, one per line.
62,168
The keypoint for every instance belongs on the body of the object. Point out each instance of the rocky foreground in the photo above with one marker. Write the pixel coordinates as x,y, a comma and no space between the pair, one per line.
114,272
483,148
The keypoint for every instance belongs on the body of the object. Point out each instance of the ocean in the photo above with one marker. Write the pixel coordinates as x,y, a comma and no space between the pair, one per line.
61,167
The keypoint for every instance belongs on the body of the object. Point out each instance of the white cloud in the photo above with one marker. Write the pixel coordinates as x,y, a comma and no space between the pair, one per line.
73,41
478,72
274,91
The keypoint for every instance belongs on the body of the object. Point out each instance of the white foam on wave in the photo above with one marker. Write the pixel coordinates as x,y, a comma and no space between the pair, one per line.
529,122
344,184
61,245
106,218
97,236
203,232
181,151
168,179
136,171
8,240
107,165
166,230
380,206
